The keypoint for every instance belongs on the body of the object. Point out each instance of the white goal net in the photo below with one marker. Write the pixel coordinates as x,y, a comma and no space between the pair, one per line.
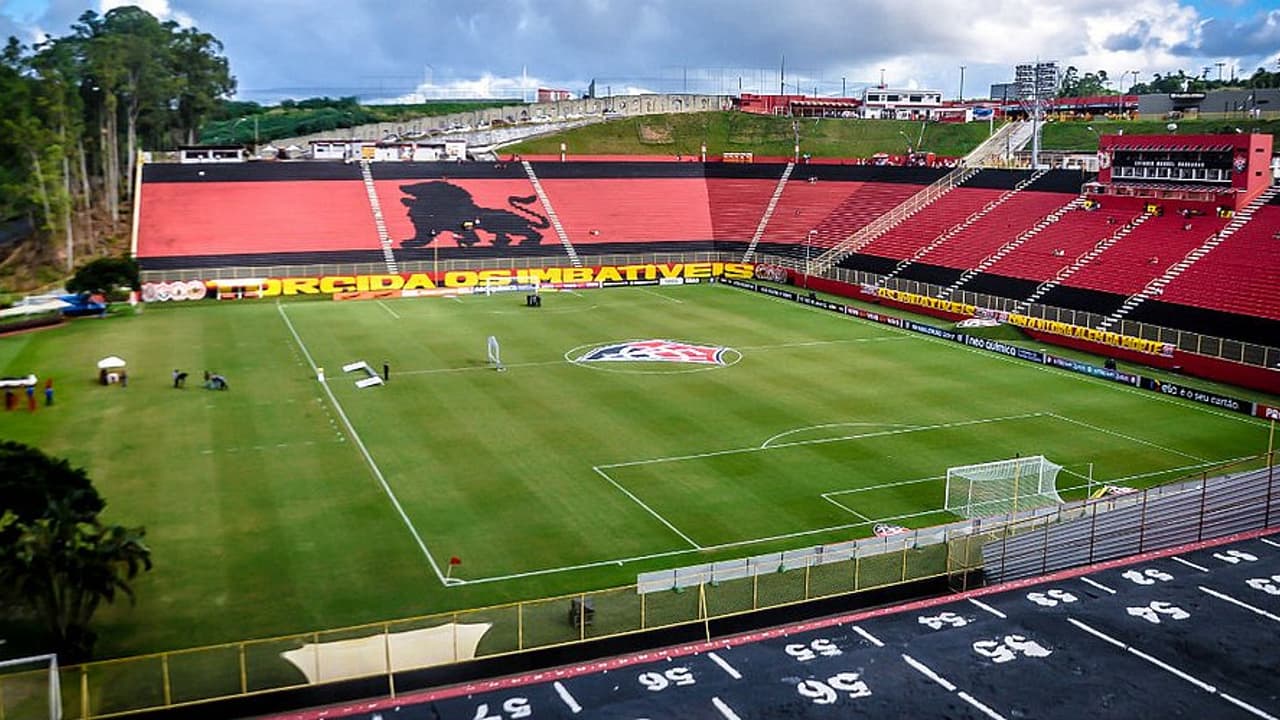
29,688
1003,486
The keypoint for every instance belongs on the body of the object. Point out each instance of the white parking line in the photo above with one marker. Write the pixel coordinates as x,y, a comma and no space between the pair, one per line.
1171,669
1098,585
1240,603
1188,563
568,699
950,687
1272,543
988,608
725,710
725,666
868,636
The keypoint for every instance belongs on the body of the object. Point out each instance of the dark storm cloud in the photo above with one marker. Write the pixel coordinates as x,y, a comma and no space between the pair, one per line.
1135,37
1253,37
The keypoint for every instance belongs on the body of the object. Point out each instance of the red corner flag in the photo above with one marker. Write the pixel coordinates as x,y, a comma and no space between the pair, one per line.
453,560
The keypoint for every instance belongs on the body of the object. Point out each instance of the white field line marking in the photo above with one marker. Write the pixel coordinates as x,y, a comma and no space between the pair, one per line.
867,636
725,666
807,428
882,486
466,368
1240,603
647,291
1188,563
386,307
1167,668
844,507
1130,438
1116,387
1095,583
1154,473
478,367
925,671
816,343
725,710
823,441
1272,543
988,608
377,472
650,510
568,699
686,551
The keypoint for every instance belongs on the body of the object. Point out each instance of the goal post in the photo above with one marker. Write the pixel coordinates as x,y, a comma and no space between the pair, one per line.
1002,486
29,688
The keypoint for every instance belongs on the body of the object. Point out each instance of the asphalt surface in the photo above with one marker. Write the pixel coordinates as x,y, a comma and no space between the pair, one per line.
1191,632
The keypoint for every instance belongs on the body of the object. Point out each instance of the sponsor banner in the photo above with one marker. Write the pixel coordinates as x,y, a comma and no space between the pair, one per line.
177,290
1266,411
596,276
771,273
1103,337
1200,396
1092,370
671,281
1005,349
934,331
907,298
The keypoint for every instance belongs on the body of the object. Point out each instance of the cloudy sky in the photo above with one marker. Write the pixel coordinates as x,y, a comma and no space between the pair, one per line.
384,49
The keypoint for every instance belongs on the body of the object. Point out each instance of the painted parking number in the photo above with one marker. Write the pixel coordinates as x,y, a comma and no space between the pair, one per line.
1011,648
657,682
1150,576
1270,586
941,620
819,647
514,709
827,693
1158,609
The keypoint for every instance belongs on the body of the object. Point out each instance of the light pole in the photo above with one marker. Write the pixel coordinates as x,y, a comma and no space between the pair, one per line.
908,139
808,243
962,83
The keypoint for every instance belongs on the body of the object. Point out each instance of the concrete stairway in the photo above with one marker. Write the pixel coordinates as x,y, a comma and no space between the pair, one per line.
768,212
1081,260
551,215
384,238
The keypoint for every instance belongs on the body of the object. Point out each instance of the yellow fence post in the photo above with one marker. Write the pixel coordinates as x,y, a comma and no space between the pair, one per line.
643,618
244,672
84,691
857,570
755,592
904,562
164,673
702,608
316,644
386,645
806,580
520,624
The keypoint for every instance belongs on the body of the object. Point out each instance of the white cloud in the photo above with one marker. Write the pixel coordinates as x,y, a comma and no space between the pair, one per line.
159,8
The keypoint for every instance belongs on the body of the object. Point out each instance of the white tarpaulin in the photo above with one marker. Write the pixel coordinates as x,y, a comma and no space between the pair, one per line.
368,656
111,362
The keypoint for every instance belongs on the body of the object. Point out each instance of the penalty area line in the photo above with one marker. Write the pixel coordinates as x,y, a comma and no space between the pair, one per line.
373,466
650,510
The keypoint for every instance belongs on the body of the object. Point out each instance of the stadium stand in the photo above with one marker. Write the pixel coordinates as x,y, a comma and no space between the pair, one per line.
1126,267
201,216
1214,282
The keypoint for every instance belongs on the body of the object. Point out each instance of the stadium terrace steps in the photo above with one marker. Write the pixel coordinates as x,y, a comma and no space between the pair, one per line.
1044,253
768,212
858,240
1240,274
383,236
1127,266
620,212
551,215
1042,221
736,205
957,229
1081,261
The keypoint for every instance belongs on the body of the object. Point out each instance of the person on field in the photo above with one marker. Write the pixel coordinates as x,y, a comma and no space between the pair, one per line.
48,392
31,398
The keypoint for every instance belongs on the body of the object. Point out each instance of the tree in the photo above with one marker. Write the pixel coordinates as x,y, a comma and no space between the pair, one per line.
1088,85
104,275
57,559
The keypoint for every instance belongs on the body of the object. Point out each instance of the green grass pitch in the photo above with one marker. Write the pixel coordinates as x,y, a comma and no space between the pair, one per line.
268,515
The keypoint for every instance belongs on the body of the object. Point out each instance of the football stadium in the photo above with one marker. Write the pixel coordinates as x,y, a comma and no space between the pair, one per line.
519,416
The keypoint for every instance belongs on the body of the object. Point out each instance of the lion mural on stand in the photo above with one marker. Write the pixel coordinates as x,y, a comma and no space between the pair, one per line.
436,207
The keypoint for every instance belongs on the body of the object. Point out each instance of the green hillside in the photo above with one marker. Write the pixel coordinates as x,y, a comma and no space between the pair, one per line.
767,135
